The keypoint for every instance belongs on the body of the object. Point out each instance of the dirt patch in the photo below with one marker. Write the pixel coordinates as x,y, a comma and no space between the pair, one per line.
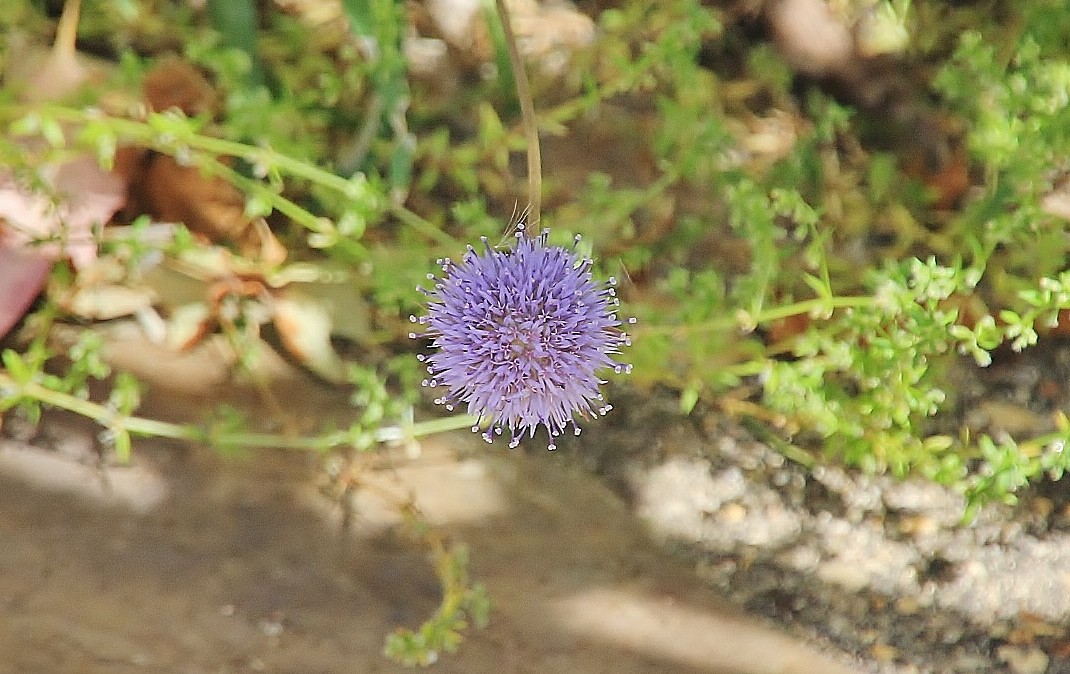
239,566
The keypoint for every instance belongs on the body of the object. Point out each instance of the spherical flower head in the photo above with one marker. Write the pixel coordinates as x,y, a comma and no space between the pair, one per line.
520,336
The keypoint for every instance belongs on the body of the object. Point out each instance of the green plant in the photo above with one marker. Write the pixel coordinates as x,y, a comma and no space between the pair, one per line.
739,209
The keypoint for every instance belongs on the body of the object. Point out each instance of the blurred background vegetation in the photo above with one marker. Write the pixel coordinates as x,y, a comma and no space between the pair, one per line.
819,212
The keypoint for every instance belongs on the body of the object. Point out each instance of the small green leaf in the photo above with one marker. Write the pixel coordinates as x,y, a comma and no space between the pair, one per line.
122,446
689,398
19,370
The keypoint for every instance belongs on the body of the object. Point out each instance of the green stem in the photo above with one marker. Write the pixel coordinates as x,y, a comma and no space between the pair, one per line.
747,368
816,304
280,203
527,113
451,423
105,416
144,133
110,418
423,226
786,449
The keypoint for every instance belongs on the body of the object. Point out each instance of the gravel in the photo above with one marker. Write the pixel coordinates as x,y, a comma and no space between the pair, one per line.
880,568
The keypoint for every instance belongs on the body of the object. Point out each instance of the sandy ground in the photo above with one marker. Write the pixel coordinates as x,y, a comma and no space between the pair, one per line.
193,563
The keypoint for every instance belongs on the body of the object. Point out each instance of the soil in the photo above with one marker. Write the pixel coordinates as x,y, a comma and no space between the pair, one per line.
187,561
650,543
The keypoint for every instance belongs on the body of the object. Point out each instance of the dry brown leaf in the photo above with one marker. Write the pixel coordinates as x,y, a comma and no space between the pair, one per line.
103,291
177,84
307,306
188,325
107,301
304,325
208,206
171,191
784,329
947,175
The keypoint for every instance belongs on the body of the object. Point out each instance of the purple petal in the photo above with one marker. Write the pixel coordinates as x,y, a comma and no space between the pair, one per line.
521,335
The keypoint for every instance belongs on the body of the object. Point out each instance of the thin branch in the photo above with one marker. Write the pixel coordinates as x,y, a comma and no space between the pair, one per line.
527,112
67,30
110,418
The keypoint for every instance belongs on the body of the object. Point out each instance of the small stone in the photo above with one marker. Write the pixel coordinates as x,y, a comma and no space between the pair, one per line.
1009,418
1029,628
970,662
845,574
1064,512
951,634
801,558
918,526
1042,506
907,606
1024,660
732,513
884,652
270,627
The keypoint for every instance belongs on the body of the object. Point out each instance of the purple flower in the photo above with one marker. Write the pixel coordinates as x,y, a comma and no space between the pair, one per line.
520,336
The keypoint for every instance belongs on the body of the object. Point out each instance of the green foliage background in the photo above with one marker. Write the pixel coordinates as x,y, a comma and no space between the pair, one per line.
807,279
381,173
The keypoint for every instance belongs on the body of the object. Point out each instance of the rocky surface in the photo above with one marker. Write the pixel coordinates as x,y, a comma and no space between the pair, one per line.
881,568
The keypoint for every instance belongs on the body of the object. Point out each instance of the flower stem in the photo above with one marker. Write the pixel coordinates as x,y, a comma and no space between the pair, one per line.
451,423
527,112
817,304
110,418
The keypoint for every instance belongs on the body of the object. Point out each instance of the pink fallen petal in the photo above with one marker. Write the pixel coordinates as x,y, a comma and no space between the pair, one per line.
22,278
88,196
